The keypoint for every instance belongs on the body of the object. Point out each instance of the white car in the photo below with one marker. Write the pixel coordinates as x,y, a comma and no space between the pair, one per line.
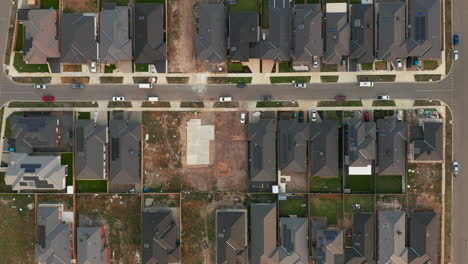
93,66
315,62
225,99
399,64
242,118
366,84
313,115
455,55
300,85
39,86
455,167
383,97
118,98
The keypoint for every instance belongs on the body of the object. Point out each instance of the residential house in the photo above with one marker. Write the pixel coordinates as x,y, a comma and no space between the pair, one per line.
263,221
362,33
361,147
27,172
330,247
324,148
92,245
90,150
363,237
160,236
54,236
293,146
125,149
211,39
293,240
392,237
231,236
262,152
275,44
307,33
424,238
40,35
427,141
78,38
115,44
392,138
391,30
244,36
337,33
150,35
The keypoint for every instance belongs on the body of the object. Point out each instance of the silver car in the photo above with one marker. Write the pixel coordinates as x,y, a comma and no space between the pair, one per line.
455,167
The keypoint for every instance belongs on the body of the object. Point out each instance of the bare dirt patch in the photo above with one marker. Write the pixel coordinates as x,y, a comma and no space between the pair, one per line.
65,199
80,6
162,200
424,178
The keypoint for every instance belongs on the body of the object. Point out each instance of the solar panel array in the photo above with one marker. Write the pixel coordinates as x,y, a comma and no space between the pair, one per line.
30,168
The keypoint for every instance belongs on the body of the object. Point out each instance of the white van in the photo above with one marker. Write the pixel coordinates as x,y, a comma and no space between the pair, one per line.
366,84
225,99
145,85
153,99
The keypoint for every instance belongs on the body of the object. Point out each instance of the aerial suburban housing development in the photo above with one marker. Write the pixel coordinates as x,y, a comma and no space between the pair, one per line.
233,132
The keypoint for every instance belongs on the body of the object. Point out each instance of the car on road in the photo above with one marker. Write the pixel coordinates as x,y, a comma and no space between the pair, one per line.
301,116
241,85
315,62
77,86
93,66
48,98
40,86
225,99
399,64
366,116
456,39
366,84
340,98
455,167
383,97
313,115
242,117
455,55
300,85
118,98
266,98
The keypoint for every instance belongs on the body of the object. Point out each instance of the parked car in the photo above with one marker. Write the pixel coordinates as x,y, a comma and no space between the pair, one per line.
340,98
301,116
241,85
145,85
242,118
455,167
366,84
225,99
455,55
93,66
300,85
266,98
313,115
400,115
366,116
383,97
39,86
48,98
315,62
343,61
118,98
456,40
399,64
77,86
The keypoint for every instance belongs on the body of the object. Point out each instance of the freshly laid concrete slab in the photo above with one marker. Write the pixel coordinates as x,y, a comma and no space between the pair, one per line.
198,142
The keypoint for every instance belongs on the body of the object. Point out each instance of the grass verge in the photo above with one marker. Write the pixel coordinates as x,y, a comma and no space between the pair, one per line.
376,78
52,104
290,79
19,38
113,104
333,78
383,103
427,77
67,159
225,80
426,103
111,79
177,80
339,103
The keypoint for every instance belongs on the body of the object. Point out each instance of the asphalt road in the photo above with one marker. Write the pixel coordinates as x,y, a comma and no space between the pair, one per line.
451,90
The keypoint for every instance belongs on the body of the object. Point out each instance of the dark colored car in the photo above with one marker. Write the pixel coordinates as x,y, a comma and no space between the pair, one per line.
266,98
366,116
301,116
456,40
241,85
340,98
77,86
48,98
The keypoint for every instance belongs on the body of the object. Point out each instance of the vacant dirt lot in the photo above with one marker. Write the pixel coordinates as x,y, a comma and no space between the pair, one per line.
80,6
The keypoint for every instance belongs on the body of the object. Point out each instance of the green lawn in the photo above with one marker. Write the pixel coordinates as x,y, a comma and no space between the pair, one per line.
430,65
124,2
67,159
265,14
84,115
284,66
21,66
150,1
339,103
376,78
333,78
109,68
226,80
295,205
366,203
366,66
329,206
290,79
426,103
141,67
381,114
380,65
389,184
383,103
47,4
235,67
3,187
427,77
319,184
19,38
91,186
333,115
244,6
360,183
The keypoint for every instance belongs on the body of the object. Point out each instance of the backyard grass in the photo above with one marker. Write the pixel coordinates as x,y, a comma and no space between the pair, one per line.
109,68
244,6
91,186
366,204
329,206
389,184
120,2
383,103
366,66
427,77
319,184
3,187
360,183
380,65
47,4
430,65
376,78
141,67
284,66
67,159
84,115
333,78
328,67
290,79
19,38
294,205
426,103
339,103
21,66
264,14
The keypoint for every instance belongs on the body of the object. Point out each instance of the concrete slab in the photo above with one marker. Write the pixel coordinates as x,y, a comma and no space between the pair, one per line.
198,142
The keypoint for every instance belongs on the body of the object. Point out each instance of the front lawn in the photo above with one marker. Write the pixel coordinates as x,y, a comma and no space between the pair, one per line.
329,206
67,159
383,103
389,184
91,186
109,68
244,6
294,205
430,65
3,187
141,67
284,66
328,67
21,66
360,183
355,203
84,115
366,66
19,38
380,65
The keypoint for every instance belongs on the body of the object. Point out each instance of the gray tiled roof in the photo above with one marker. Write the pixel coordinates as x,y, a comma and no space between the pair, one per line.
424,238
362,33
231,236
211,39
89,150
114,44
393,136
361,142
308,40
90,246
293,240
293,146
244,36
77,38
392,236
427,141
276,45
330,249
337,37
262,150
324,148
263,233
362,250
391,36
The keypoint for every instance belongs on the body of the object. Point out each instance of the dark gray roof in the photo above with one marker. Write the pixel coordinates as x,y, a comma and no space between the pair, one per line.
393,136
293,240
361,142
425,29
263,233
362,33
211,39
293,146
324,148
54,237
307,35
391,26
150,40
427,141
330,249
114,43
262,150
160,237
77,38
90,245
125,151
244,36
231,236
424,238
276,45
362,250
89,150
392,236
337,36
